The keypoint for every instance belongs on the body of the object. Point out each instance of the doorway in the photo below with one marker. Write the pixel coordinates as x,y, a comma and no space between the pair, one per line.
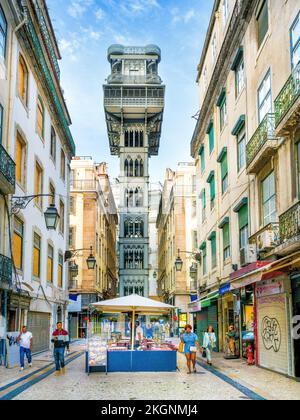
295,280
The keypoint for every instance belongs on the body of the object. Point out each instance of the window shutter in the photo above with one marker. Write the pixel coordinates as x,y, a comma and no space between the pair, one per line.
226,236
213,189
243,217
224,166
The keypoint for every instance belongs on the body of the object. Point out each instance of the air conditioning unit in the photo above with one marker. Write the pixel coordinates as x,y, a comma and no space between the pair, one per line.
266,241
248,255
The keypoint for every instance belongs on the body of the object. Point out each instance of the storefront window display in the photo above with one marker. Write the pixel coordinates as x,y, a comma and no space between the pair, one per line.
247,319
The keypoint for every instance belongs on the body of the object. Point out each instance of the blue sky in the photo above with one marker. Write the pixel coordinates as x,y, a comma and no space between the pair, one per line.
86,28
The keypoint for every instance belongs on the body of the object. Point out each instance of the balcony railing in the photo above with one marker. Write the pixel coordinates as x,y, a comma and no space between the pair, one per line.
267,238
288,96
264,134
5,269
290,224
135,102
7,172
134,80
84,185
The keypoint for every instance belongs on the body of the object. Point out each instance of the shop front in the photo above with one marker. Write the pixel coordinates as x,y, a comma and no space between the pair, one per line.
229,308
247,301
295,282
273,325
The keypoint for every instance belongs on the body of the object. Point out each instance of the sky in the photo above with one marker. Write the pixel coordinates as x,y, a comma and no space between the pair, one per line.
86,28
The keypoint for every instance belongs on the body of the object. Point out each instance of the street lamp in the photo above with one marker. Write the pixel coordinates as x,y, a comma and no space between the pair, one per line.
51,214
91,260
179,262
51,217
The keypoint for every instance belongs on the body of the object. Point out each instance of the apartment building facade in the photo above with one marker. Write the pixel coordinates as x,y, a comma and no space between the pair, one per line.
248,80
177,235
35,130
93,224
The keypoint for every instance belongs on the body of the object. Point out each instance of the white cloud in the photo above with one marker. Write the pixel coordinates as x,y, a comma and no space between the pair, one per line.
179,17
99,13
78,7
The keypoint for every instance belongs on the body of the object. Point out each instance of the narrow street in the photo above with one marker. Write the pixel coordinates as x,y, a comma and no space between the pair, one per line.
228,380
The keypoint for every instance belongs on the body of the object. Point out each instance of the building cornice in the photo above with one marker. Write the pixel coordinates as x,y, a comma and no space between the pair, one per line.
240,18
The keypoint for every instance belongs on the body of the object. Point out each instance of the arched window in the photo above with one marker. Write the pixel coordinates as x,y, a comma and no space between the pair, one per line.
40,120
131,171
131,139
141,139
3,34
126,168
23,80
141,168
139,197
126,138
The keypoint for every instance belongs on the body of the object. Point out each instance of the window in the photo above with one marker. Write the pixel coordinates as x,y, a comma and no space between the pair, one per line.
241,144
262,22
211,180
225,8
40,120
243,226
203,202
62,217
3,34
52,193
23,80
36,256
214,48
20,160
204,260
269,200
211,136
213,241
72,205
53,144
202,159
240,77
223,113
38,184
62,165
295,42
18,242
50,264
60,271
72,239
265,97
223,160
226,241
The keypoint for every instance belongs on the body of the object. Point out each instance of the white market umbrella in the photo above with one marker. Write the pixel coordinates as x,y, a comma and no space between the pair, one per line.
135,304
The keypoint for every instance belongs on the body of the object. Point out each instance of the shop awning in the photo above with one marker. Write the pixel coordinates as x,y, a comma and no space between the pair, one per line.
271,270
200,304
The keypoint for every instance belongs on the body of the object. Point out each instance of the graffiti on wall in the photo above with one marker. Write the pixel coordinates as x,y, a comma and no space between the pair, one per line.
271,334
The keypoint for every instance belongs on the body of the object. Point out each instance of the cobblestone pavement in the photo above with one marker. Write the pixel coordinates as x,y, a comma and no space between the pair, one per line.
228,380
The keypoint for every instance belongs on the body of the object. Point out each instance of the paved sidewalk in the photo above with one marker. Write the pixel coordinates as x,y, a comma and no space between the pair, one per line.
270,385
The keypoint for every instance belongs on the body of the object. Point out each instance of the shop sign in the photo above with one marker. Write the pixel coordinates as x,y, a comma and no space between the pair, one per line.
195,306
182,320
225,289
269,288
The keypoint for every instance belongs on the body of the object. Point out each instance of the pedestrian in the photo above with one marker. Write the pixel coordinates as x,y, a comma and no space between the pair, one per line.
60,339
25,340
191,343
209,344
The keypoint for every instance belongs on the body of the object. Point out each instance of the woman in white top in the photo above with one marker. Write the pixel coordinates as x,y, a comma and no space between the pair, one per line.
209,344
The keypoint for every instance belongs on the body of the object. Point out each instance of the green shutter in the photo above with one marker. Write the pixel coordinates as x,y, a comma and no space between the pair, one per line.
203,198
226,236
202,160
214,251
243,217
224,166
211,139
212,189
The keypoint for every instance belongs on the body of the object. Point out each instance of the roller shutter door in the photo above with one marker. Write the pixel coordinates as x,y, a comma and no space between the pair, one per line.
39,325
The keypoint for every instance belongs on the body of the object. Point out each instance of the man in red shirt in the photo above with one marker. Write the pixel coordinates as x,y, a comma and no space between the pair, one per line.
61,341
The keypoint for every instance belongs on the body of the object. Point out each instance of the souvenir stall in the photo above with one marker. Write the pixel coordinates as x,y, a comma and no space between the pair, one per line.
118,352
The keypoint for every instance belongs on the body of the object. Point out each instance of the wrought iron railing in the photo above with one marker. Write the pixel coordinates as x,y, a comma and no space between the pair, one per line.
7,166
122,79
5,269
47,38
288,95
135,102
265,132
274,231
38,51
290,224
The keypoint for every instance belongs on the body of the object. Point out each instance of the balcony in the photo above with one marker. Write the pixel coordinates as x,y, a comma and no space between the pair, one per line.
289,223
266,239
287,104
134,102
262,145
119,78
5,269
7,172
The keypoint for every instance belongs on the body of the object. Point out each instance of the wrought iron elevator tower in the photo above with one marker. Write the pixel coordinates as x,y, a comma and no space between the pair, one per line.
134,99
